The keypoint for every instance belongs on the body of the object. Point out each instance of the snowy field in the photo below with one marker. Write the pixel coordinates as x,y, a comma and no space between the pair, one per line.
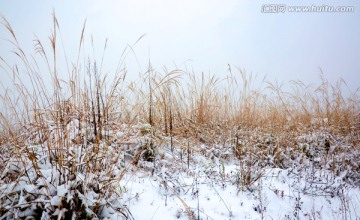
104,115
210,189
143,176
277,195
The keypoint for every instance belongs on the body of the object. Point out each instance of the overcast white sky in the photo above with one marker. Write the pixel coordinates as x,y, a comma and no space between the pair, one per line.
204,35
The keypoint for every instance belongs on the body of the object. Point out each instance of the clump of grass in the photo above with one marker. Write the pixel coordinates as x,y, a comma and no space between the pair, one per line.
57,161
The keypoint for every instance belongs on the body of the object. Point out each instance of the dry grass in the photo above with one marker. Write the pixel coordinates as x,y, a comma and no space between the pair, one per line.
207,100
65,129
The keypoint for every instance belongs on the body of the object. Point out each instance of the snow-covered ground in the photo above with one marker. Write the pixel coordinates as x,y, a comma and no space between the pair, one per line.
210,190
191,179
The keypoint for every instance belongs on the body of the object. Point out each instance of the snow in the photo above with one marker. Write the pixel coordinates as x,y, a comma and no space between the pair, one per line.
211,185
277,195
62,190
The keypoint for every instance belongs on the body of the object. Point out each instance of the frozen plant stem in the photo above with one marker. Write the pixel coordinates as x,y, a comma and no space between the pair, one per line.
198,199
150,98
188,154
262,200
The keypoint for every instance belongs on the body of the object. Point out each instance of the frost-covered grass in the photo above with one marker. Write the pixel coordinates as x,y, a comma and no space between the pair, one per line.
171,145
212,185
207,181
